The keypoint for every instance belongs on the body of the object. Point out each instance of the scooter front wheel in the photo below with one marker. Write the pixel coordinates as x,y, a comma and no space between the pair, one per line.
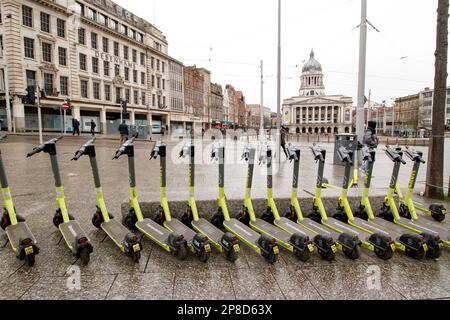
30,260
438,216
232,255
272,257
136,256
204,256
181,252
85,256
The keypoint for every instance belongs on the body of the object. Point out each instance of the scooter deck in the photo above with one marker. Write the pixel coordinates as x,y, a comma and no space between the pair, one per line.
116,231
344,227
18,232
179,227
370,226
208,229
273,231
71,231
154,230
427,226
243,232
291,227
319,228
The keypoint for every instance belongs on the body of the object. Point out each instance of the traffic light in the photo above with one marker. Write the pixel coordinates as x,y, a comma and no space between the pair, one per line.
124,104
30,97
67,100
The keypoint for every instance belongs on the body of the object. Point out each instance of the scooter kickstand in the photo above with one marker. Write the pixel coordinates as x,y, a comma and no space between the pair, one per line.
6,243
104,238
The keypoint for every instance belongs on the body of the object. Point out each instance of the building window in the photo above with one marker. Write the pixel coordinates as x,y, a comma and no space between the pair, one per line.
133,34
118,95
61,28
152,62
134,55
143,98
158,82
116,70
163,66
62,56
84,88
135,79
127,73
46,52
164,101
93,40
103,19
31,78
106,68
153,100
153,81
27,16
107,92
143,78
79,8
105,44
163,84
28,45
81,36
94,65
127,95
113,24
157,64
92,14
135,96
64,85
142,59
96,90
45,22
125,52
48,82
116,48
141,37
83,62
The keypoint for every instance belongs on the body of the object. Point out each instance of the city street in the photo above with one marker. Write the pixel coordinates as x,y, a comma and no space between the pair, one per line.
111,275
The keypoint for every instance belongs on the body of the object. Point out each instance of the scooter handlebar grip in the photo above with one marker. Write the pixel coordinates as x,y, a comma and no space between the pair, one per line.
34,151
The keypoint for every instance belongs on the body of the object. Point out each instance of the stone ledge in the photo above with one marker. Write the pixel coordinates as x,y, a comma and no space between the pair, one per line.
207,208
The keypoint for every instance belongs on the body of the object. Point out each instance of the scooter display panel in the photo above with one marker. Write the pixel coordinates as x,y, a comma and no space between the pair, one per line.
71,231
236,227
148,226
180,228
271,230
18,232
208,229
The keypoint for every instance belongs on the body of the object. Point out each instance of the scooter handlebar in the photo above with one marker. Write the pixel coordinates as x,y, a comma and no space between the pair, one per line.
82,150
414,155
317,153
155,151
344,155
42,146
2,137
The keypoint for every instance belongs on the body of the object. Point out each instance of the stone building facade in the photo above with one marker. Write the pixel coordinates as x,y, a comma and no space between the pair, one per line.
406,111
216,103
312,111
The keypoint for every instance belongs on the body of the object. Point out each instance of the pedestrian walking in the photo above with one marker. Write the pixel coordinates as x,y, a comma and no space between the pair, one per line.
75,126
93,126
283,132
123,130
370,140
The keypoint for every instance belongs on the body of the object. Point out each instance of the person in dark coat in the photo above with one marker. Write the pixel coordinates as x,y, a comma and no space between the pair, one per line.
123,130
370,140
75,126
283,132
93,126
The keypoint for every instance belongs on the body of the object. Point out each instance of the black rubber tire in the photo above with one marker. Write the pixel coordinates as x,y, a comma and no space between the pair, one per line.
20,218
302,255
434,253
403,211
217,221
181,253
135,256
352,254
186,220
341,217
203,256
438,216
271,257
384,254
30,259
130,221
96,222
315,217
159,218
85,256
362,214
232,255
416,254
328,255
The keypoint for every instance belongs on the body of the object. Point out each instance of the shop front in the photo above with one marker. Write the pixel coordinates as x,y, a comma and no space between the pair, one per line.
53,119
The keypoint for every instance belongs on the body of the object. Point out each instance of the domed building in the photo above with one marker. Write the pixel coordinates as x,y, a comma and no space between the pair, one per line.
312,111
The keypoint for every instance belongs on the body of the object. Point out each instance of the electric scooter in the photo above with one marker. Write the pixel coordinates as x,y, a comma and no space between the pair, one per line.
19,235
75,237
127,241
224,242
349,237
197,243
262,244
298,243
408,207
412,244
435,238
170,241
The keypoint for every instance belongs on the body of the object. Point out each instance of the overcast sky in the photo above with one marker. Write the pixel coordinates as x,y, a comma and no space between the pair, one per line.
243,32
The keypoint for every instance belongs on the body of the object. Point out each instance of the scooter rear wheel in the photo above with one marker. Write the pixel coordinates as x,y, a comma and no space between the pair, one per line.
85,256
438,216
30,260
352,254
130,221
204,256
136,256
328,255
181,252
416,254
302,255
434,253
232,255
384,254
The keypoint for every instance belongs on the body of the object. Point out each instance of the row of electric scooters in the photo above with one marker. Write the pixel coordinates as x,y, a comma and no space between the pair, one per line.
393,229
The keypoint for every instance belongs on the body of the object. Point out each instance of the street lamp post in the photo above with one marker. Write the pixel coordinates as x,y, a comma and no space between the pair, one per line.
279,83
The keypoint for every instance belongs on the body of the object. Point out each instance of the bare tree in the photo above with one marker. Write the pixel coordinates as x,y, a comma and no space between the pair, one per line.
435,168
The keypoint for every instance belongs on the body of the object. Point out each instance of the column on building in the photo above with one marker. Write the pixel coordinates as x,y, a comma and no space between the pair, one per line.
149,124
326,114
307,114
320,113
102,119
168,124
341,110
132,117
18,110
76,112
301,115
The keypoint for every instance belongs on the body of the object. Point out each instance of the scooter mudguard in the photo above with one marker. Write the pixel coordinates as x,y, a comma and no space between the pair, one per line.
381,241
349,241
300,242
413,241
323,242
266,243
131,243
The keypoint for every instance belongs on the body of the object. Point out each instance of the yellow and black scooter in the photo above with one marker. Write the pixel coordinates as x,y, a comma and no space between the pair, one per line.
224,242
22,241
166,239
127,241
348,236
197,243
435,236
264,245
408,207
299,243
75,237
